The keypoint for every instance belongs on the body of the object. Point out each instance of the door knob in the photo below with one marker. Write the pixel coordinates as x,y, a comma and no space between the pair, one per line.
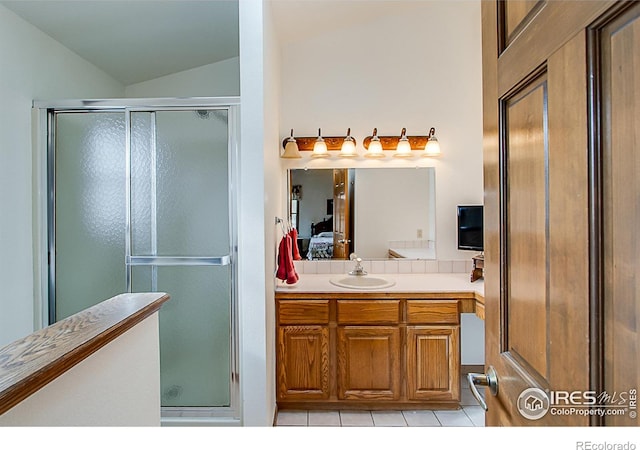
490,379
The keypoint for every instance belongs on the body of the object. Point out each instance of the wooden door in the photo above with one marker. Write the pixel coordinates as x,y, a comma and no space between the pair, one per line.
547,114
620,44
341,214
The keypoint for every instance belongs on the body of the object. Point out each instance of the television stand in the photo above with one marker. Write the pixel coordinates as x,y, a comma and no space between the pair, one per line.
478,267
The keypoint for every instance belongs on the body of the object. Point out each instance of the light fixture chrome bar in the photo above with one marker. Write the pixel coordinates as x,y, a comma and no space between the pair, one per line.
179,260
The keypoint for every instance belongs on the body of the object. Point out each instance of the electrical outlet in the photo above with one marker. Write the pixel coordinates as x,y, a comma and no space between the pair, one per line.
419,233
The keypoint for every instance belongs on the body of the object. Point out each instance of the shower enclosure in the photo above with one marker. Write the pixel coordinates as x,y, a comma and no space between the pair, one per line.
141,198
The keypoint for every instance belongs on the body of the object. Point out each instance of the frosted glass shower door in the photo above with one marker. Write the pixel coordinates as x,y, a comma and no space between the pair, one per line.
87,215
180,243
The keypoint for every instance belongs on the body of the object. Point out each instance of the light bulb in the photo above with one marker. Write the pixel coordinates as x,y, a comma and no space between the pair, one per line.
432,148
291,148
348,145
375,146
348,148
404,146
320,147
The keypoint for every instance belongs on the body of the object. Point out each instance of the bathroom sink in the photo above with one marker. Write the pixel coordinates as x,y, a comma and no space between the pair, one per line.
362,282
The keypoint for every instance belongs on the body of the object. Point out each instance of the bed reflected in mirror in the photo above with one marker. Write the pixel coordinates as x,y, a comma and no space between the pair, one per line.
375,213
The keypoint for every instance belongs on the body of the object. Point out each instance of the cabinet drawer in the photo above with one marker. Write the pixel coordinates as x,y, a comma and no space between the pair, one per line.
303,311
368,311
427,311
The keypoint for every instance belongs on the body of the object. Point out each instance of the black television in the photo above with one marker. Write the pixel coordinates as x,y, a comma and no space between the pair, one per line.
470,227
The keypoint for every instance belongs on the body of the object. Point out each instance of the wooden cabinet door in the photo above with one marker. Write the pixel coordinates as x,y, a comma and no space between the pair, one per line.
303,362
368,363
433,362
559,83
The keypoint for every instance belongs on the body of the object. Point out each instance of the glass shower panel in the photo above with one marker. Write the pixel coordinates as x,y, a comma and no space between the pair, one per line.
180,210
184,165
89,216
165,228
195,333
143,182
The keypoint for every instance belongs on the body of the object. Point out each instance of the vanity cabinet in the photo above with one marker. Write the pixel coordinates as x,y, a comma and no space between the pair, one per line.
303,350
367,350
368,346
433,357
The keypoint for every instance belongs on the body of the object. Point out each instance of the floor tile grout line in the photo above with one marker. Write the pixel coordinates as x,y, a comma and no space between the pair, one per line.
402,413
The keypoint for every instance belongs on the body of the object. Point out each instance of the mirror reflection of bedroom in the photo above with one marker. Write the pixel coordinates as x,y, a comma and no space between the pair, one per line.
375,213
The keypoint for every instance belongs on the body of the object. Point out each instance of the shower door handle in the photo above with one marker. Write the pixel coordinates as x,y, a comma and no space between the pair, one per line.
179,260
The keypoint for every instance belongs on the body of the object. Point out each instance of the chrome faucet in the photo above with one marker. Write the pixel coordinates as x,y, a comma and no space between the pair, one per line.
358,269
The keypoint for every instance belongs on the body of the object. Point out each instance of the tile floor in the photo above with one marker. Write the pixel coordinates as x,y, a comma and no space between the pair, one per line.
470,414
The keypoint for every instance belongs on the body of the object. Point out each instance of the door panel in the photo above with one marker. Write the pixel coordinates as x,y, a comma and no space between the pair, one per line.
433,362
526,226
147,207
89,215
515,13
195,328
303,362
568,223
341,235
540,273
368,363
181,244
180,194
621,156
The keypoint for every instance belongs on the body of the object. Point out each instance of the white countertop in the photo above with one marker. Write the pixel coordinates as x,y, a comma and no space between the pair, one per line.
430,282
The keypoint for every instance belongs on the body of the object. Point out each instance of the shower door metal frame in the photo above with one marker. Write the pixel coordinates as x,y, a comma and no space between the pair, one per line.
45,313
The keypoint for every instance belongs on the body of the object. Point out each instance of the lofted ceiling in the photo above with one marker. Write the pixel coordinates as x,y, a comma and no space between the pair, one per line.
138,40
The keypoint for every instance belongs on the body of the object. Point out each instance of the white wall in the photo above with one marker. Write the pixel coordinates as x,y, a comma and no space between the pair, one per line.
32,66
404,196
471,339
260,188
417,68
272,190
212,80
119,385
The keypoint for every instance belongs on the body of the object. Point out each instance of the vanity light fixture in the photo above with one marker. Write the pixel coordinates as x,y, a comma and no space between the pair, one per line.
348,148
374,149
403,149
433,146
320,147
291,150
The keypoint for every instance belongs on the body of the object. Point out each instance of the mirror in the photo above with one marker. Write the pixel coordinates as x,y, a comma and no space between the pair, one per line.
376,213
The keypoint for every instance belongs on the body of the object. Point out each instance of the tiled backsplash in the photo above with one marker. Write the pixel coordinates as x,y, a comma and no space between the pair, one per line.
416,243
385,266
